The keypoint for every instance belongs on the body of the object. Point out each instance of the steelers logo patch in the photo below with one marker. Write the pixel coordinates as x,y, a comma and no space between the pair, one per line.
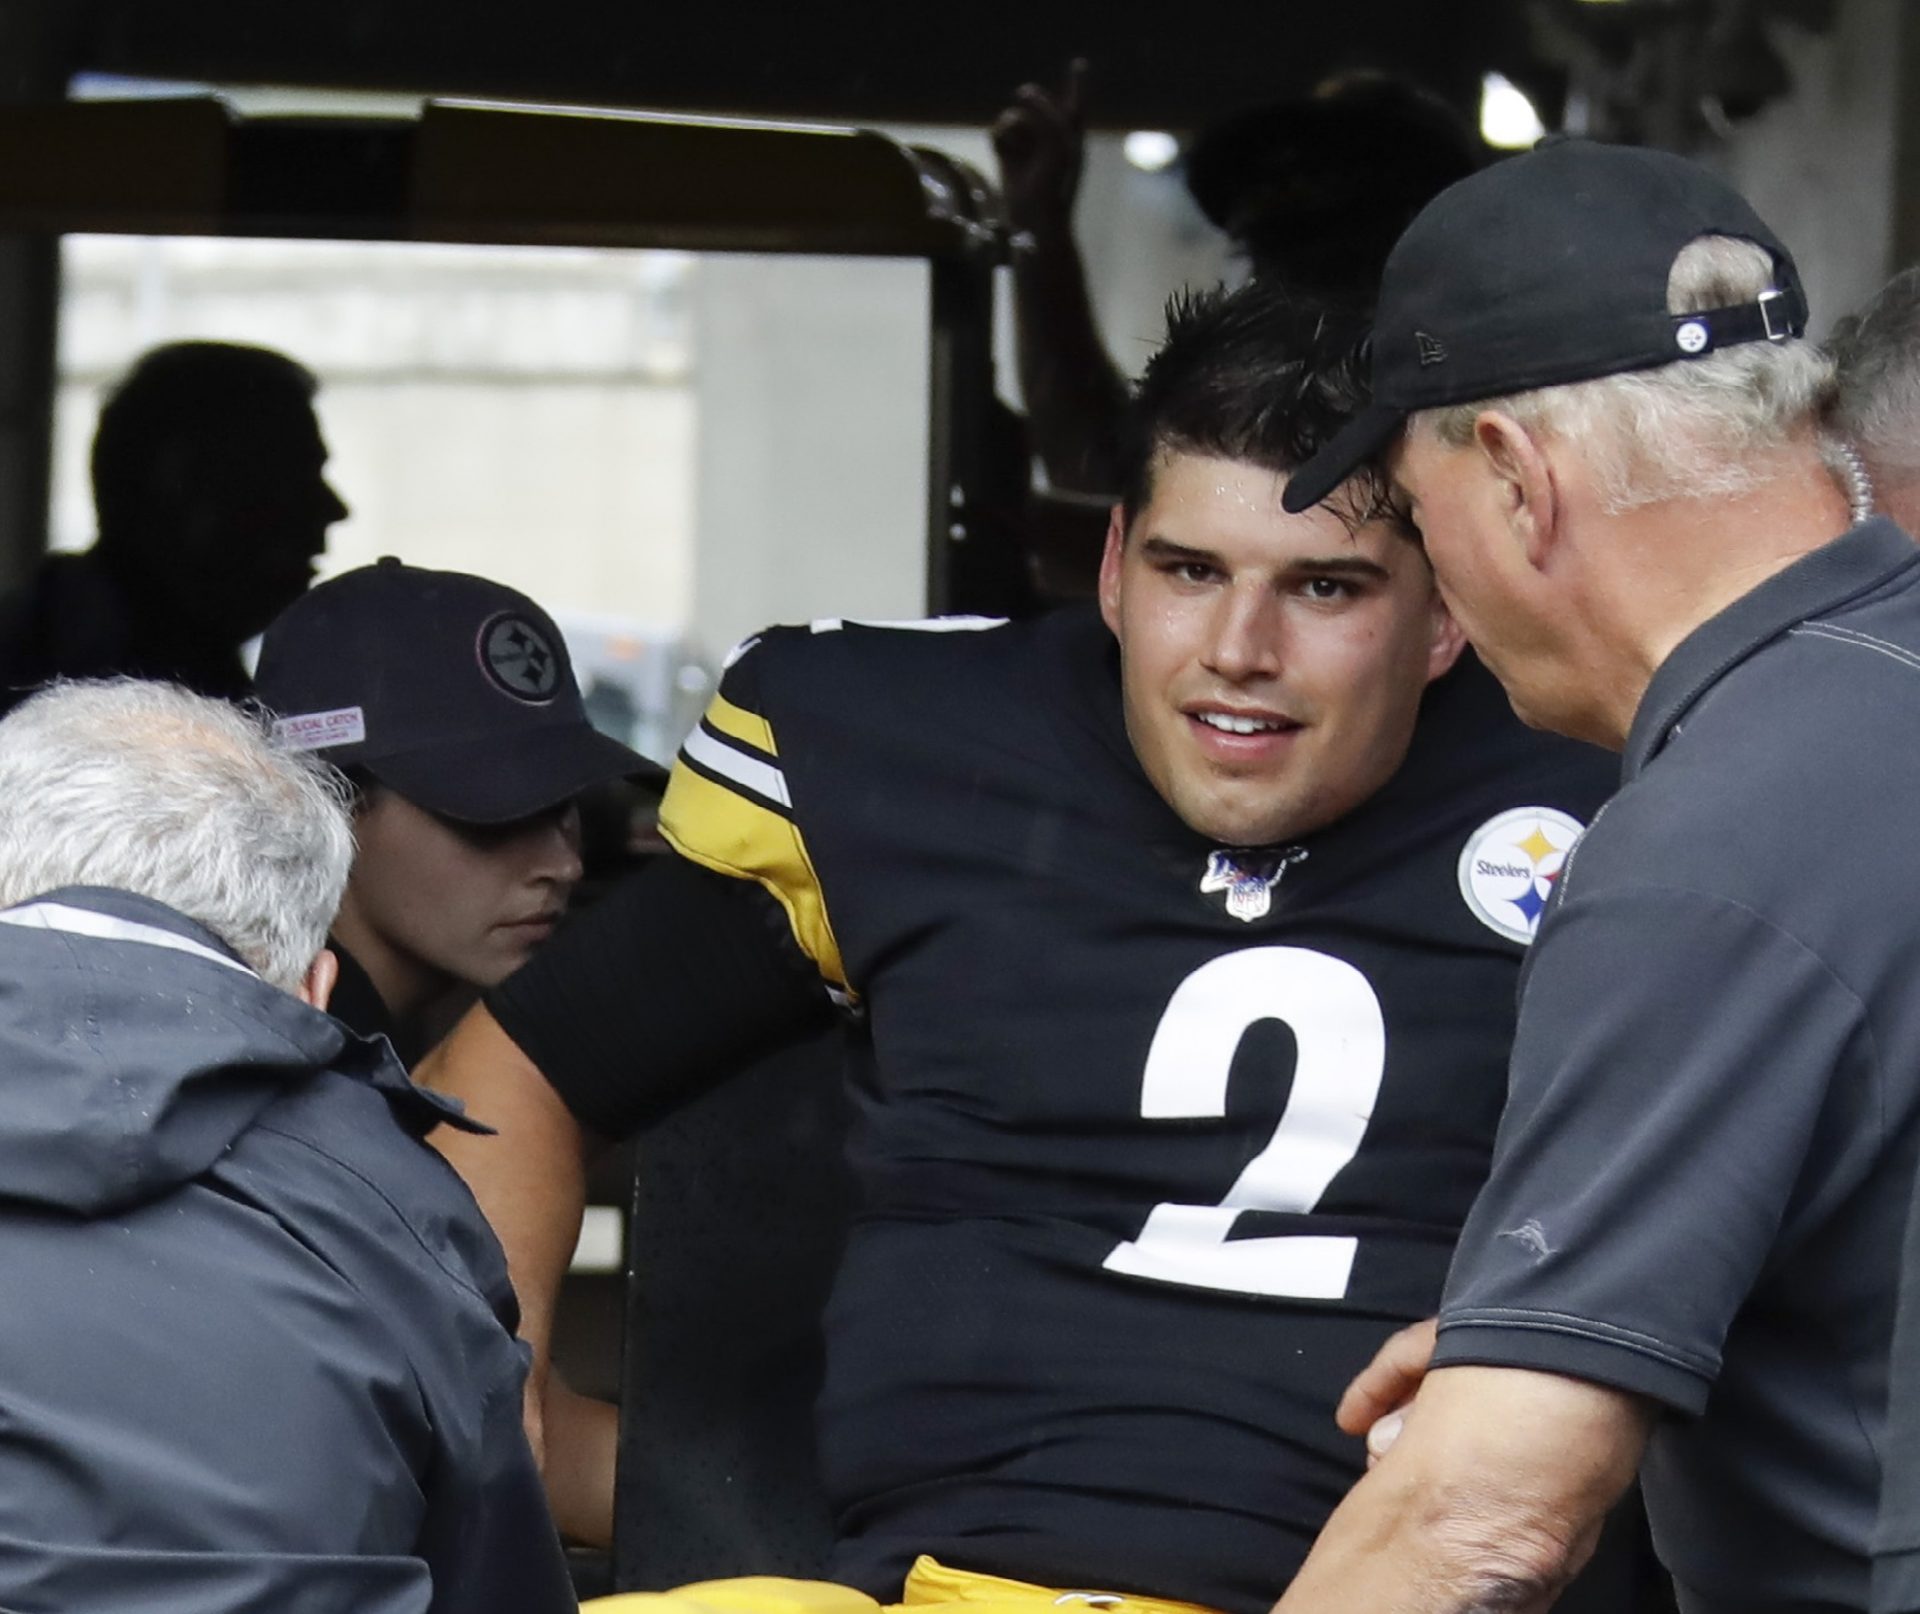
519,658
1509,865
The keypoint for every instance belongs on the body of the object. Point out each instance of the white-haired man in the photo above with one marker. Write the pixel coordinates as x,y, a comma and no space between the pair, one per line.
1593,398
1878,355
257,1351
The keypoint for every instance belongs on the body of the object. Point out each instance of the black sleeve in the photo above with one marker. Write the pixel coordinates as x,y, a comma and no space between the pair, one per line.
669,983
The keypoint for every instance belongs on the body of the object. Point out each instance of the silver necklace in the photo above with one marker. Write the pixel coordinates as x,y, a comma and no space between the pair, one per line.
1855,483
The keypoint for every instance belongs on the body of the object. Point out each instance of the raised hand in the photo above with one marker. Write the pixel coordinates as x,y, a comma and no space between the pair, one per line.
1040,143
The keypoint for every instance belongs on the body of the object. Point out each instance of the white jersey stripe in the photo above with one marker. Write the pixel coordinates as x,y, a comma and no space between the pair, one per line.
925,624
716,756
58,916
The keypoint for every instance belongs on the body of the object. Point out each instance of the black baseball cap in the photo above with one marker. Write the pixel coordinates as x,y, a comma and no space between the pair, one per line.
455,691
1545,269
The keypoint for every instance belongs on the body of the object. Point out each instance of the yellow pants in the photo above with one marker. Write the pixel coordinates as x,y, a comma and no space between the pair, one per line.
930,1585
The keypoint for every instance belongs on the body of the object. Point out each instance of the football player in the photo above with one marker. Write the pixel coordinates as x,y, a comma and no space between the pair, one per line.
1176,942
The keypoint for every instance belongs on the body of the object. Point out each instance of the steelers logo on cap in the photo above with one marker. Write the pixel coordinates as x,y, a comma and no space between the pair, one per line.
1510,864
519,658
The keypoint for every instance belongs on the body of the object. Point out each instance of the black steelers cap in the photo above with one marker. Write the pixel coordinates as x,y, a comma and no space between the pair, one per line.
454,691
1545,269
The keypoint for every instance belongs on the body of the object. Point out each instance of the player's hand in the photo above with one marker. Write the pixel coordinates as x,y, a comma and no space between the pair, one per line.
1040,142
1375,1404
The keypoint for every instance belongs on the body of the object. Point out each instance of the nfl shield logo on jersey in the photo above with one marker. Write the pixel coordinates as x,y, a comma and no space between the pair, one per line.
1248,878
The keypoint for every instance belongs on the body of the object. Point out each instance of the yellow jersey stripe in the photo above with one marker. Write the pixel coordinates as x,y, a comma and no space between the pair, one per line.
741,724
723,831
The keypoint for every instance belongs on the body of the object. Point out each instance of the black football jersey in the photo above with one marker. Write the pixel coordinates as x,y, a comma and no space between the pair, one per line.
1157,1139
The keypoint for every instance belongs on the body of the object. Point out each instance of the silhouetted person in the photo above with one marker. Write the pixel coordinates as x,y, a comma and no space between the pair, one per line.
212,505
1312,192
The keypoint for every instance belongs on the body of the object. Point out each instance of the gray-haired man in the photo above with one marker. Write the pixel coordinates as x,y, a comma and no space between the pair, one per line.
1593,397
256,1350
1878,354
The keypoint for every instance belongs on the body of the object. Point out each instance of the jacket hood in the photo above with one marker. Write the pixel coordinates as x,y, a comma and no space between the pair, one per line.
135,1047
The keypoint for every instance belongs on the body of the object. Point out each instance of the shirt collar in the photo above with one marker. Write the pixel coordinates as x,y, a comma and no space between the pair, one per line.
1851,565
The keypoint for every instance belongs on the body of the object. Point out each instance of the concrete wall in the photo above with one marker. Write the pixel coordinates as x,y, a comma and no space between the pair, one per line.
811,461
527,415
1819,165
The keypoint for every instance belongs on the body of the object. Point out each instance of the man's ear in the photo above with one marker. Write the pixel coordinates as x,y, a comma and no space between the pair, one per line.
1446,642
322,975
1110,568
1527,495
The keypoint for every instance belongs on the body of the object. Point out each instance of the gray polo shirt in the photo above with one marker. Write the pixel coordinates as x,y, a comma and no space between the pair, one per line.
1702,1179
1896,1561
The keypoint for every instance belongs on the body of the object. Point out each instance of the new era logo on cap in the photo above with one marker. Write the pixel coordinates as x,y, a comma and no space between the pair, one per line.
1432,350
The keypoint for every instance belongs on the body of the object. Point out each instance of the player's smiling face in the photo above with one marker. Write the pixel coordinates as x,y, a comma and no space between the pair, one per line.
1271,664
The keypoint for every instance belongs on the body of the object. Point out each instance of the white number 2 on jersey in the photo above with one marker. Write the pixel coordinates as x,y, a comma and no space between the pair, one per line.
1342,1052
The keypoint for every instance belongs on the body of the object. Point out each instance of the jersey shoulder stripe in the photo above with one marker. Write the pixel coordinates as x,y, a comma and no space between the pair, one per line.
737,723
727,808
738,749
921,624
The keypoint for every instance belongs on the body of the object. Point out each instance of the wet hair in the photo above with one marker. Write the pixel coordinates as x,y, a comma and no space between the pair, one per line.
1259,374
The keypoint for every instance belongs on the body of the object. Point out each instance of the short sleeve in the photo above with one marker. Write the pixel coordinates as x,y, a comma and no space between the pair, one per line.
673,980
1673,1055
728,807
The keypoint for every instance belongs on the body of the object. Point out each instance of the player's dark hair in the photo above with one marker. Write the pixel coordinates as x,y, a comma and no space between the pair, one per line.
1259,374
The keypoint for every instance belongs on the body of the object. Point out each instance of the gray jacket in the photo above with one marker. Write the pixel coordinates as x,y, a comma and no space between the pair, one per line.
256,1345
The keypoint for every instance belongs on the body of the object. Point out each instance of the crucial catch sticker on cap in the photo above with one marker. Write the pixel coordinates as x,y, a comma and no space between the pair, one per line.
1509,865
317,731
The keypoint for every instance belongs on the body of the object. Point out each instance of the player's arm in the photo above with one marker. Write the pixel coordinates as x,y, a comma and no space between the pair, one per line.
529,1177
1074,393
677,978
671,982
1491,1499
530,1182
